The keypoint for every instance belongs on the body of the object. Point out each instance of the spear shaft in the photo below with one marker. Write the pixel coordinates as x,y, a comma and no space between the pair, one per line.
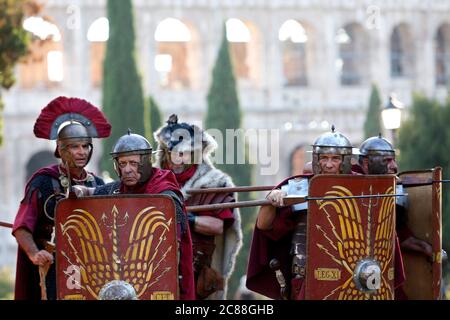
289,200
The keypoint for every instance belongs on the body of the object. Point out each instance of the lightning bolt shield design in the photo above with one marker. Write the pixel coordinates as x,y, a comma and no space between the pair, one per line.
117,239
345,234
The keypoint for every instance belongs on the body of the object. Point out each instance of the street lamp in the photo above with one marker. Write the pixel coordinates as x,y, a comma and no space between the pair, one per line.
391,116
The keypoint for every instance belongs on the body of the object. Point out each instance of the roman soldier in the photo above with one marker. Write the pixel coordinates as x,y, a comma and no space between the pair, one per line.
72,122
280,231
132,155
377,156
217,237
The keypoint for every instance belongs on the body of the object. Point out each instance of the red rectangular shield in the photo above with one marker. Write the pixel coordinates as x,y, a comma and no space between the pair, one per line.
423,277
126,238
347,232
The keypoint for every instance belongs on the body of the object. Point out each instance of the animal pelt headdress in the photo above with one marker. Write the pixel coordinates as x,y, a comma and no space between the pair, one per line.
183,137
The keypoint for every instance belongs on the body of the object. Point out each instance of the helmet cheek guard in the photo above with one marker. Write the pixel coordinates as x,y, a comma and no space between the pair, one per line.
145,168
116,167
346,165
377,165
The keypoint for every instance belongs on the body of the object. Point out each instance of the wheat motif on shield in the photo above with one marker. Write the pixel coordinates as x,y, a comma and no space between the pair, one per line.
347,242
137,261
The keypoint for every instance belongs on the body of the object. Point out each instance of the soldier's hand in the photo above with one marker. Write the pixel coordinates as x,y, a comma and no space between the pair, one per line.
41,258
276,197
82,191
415,244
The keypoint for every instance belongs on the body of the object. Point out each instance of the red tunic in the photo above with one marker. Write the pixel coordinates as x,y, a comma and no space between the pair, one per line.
27,276
226,215
270,244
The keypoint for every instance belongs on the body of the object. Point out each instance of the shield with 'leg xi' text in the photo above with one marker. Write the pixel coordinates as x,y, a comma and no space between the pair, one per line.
350,237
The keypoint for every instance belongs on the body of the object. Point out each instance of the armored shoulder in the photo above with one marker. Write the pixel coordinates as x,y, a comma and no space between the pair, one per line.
107,189
297,187
402,200
43,183
174,195
99,181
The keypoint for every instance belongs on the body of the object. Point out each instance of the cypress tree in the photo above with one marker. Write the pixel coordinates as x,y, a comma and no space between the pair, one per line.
372,126
123,100
153,119
14,41
224,113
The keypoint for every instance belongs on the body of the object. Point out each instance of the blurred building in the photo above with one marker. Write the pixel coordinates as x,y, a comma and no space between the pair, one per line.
301,66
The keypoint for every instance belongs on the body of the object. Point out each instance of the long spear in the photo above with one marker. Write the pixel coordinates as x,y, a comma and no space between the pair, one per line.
289,200
407,182
6,224
230,189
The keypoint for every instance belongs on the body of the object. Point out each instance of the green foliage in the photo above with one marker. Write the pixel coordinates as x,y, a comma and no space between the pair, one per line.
372,125
153,119
6,284
223,104
14,41
424,141
224,113
123,100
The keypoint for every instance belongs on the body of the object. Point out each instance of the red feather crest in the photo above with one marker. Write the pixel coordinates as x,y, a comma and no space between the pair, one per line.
64,109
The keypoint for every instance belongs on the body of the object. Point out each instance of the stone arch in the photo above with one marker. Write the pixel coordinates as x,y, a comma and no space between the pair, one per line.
353,54
39,160
402,51
177,51
295,37
442,55
97,35
44,66
243,37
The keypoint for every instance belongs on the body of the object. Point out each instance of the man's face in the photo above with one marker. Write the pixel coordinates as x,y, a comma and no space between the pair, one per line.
76,154
129,166
391,164
330,163
381,165
179,160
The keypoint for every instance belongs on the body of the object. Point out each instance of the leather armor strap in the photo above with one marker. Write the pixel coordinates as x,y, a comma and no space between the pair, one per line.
298,248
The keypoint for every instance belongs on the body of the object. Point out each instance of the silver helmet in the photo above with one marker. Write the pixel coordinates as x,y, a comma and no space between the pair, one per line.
336,143
375,149
74,132
134,144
